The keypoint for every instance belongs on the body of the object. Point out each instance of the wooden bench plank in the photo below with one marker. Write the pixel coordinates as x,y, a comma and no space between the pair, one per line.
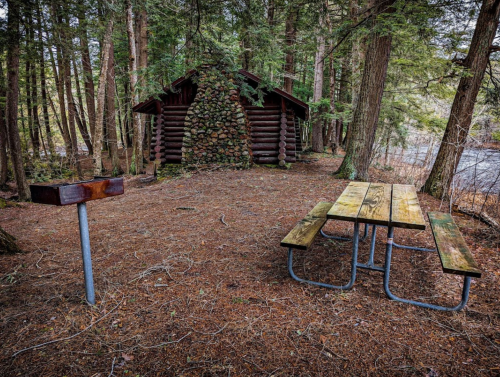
320,210
302,236
349,202
376,208
406,212
453,251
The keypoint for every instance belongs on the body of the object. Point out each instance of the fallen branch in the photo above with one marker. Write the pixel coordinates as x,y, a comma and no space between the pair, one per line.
222,219
69,337
481,216
112,367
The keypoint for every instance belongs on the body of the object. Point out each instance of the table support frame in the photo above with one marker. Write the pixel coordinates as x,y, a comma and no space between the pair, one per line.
388,257
370,265
355,240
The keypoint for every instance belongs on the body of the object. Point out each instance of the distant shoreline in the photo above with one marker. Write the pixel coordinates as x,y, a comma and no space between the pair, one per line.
489,145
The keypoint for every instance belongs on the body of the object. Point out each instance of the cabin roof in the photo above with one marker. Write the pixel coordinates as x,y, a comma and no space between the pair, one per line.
152,105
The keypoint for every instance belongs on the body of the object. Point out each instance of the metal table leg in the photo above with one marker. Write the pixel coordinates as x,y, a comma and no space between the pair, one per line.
87,260
388,256
370,265
353,265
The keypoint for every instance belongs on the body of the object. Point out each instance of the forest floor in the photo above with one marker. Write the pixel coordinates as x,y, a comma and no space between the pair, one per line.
191,280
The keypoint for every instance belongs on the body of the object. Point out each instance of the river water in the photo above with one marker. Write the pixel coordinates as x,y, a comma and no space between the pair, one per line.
479,169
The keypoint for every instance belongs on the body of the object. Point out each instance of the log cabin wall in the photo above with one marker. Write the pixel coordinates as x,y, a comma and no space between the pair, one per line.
273,130
168,130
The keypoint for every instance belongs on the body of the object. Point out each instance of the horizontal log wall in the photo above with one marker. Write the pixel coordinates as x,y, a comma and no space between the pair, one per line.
169,133
273,134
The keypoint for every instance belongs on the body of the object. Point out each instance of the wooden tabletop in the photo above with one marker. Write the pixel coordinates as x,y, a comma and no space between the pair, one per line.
379,204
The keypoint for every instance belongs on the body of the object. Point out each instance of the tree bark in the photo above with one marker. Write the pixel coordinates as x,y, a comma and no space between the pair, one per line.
143,65
331,136
191,11
345,100
364,124
27,77
245,41
137,155
271,7
101,98
126,118
317,128
3,131
43,86
74,158
59,80
111,114
12,100
358,55
452,146
31,86
80,117
87,72
290,39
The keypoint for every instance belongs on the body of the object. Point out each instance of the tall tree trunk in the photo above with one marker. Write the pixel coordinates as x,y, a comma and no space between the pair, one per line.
358,55
74,158
343,99
364,124
43,86
12,99
80,118
137,155
319,62
28,103
120,122
452,146
290,39
142,66
34,112
87,72
58,121
271,6
30,82
245,41
126,118
101,98
3,131
59,80
331,136
192,12
111,118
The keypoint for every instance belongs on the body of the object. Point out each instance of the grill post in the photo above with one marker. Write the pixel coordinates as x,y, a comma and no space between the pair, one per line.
87,260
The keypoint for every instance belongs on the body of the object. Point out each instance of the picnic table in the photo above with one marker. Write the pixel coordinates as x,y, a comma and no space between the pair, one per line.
391,206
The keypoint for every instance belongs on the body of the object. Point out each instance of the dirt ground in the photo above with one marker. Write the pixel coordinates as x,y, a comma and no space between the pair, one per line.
191,280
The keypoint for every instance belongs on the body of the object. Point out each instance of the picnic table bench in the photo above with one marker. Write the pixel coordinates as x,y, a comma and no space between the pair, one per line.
391,206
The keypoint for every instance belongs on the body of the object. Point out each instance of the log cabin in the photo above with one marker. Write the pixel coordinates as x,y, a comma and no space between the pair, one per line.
202,118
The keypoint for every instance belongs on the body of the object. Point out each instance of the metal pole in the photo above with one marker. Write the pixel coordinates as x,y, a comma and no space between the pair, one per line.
87,260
